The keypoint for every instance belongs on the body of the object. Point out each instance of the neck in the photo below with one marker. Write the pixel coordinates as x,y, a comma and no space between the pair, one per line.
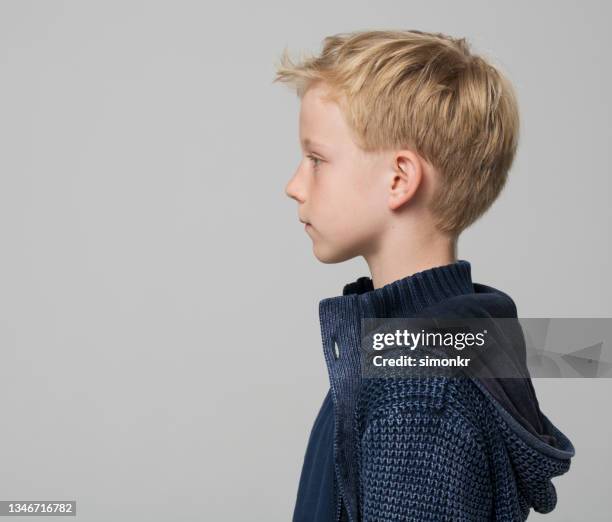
406,253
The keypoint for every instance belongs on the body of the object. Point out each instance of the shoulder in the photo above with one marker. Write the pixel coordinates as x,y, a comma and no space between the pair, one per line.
421,450
456,402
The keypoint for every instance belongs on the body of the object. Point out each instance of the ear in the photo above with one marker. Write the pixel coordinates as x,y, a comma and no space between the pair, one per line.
407,175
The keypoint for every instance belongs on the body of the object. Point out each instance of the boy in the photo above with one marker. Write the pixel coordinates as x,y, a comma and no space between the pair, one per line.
408,138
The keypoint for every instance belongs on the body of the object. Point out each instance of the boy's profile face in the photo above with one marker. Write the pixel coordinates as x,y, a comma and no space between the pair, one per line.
340,189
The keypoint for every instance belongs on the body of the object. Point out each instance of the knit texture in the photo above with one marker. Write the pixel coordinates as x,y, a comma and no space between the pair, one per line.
437,449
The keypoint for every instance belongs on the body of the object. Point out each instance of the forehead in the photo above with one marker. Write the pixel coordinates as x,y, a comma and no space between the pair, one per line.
321,120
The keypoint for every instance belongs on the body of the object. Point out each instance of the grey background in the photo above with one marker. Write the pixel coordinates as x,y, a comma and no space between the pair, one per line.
160,348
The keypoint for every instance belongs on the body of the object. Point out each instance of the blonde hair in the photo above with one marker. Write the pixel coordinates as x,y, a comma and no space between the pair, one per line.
427,92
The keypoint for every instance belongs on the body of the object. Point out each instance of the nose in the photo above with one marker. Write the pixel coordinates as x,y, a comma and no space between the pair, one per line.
295,189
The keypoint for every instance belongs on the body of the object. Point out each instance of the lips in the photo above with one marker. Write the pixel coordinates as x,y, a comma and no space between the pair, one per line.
306,224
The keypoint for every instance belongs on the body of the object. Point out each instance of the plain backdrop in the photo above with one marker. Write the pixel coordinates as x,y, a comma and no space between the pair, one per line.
160,351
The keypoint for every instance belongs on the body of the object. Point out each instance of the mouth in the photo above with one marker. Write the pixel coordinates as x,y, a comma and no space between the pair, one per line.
307,226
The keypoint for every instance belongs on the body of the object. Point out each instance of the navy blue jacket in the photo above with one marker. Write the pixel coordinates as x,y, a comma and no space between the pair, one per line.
430,449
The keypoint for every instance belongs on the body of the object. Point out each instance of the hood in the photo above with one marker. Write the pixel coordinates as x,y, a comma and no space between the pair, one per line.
534,461
537,449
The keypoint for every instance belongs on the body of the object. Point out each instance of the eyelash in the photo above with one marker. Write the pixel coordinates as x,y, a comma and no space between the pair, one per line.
312,158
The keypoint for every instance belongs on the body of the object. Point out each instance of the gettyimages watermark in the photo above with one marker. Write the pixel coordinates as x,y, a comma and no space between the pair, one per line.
487,347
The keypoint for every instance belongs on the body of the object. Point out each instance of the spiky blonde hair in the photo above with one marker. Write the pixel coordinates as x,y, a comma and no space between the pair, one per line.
427,92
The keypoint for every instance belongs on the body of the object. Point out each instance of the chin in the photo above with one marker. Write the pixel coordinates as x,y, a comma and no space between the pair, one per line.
332,256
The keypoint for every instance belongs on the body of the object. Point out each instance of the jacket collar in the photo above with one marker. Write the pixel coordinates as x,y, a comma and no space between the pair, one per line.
340,319
414,292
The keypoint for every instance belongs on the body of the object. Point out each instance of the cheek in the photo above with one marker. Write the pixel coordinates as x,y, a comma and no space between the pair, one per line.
355,216
363,200
347,204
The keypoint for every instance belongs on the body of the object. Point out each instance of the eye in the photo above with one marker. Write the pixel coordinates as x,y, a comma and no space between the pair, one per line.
314,159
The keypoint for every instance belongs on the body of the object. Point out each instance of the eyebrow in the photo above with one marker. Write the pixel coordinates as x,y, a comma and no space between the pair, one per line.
310,143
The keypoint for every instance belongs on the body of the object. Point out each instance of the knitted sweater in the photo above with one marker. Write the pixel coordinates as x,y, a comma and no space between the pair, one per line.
435,449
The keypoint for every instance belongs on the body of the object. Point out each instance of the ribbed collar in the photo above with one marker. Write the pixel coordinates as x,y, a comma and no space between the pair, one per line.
408,295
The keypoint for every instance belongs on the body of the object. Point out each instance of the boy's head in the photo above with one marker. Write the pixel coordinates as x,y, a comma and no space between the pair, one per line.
403,132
